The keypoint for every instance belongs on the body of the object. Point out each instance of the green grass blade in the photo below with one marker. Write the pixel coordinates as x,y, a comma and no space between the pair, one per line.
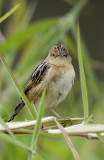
71,45
32,29
36,156
100,137
9,13
82,76
90,72
29,106
78,7
9,139
56,23
6,127
36,129
92,80
67,21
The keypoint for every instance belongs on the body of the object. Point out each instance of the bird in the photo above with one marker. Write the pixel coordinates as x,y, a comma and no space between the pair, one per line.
56,74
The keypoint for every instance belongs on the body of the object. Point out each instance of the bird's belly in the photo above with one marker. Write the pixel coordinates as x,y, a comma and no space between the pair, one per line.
58,91
63,87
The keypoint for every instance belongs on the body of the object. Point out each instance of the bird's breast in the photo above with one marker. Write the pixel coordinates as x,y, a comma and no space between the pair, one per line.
58,89
64,85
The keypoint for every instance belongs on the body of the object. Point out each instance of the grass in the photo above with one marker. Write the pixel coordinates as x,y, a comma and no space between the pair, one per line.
29,106
34,41
9,13
38,125
82,77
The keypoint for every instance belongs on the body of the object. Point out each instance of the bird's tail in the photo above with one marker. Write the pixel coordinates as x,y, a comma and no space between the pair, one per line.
16,111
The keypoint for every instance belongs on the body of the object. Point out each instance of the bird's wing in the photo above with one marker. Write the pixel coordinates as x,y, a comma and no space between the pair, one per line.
37,76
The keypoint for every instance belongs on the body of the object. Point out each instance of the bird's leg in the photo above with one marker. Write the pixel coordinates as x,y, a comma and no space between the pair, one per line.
35,109
55,113
58,116
37,114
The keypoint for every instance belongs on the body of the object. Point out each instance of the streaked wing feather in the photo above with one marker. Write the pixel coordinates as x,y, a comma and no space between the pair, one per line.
37,76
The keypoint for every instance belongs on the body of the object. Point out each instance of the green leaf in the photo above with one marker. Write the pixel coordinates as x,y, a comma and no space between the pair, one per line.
9,139
6,127
71,45
82,76
23,35
91,75
29,106
9,13
88,67
37,127
100,137
67,21
36,156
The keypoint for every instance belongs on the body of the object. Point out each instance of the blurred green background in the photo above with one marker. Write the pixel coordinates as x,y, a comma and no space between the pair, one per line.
25,39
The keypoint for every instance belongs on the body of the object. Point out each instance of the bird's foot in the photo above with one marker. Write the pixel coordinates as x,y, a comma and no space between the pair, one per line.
59,117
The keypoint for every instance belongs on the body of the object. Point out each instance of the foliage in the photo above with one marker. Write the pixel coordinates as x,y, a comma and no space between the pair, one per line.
25,46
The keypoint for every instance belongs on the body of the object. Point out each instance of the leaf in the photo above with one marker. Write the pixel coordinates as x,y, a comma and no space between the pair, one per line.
38,124
29,106
9,13
89,119
100,137
71,146
71,45
91,75
7,128
36,156
9,139
82,76
88,67
34,28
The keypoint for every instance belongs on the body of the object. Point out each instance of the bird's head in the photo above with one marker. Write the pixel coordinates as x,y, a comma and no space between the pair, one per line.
59,50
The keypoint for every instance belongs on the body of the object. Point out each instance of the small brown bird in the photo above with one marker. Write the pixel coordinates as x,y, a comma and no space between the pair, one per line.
56,74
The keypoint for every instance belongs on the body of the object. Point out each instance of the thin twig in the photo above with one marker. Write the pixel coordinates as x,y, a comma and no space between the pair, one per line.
47,121
80,129
89,136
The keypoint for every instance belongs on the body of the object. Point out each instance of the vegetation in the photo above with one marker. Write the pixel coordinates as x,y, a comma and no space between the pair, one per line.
27,44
